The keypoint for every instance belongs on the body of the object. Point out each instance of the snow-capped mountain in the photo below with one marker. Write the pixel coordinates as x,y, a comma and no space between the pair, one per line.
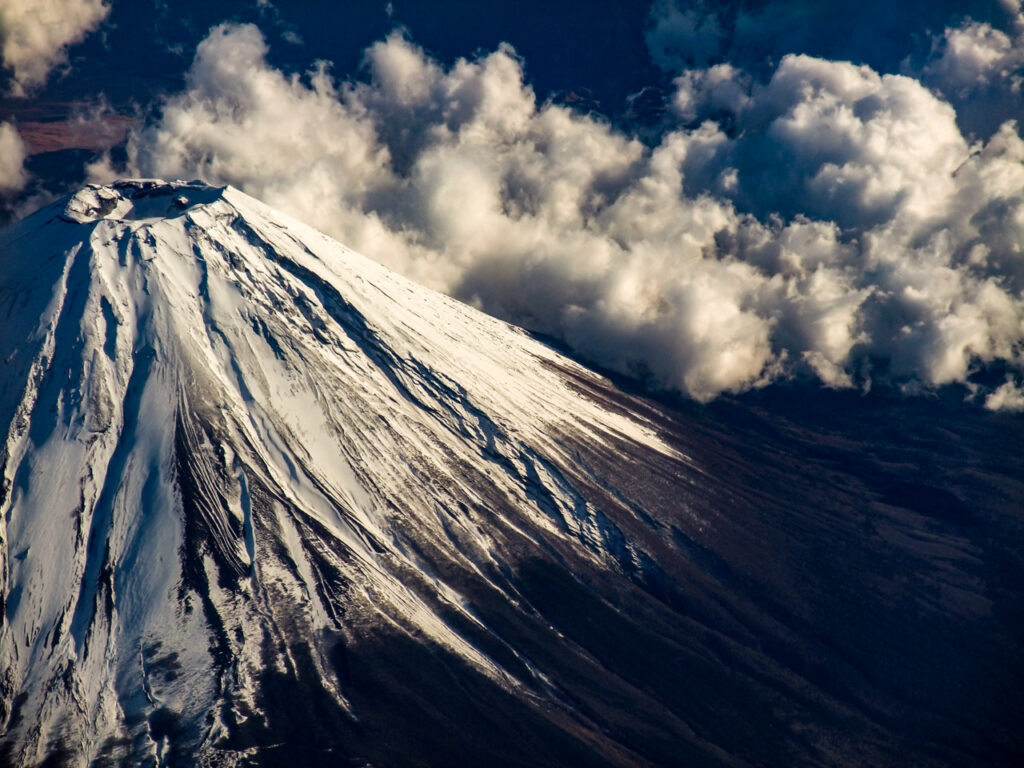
265,502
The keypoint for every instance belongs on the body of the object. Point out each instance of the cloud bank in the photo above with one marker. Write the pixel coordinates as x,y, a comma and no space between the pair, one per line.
821,221
35,35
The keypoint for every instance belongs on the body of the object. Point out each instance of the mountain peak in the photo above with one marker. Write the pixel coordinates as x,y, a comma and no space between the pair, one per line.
231,438
133,199
257,490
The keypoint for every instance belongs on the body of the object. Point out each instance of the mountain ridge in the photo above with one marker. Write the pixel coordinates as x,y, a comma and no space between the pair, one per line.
259,490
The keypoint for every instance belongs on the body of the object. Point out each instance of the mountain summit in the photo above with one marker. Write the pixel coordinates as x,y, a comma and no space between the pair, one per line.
265,502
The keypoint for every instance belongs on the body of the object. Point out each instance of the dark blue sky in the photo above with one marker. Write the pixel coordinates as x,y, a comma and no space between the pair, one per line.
594,48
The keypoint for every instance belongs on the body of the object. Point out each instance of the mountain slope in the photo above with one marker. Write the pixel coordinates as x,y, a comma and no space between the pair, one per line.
265,502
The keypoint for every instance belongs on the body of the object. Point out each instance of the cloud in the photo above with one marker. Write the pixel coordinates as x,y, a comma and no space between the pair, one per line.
980,69
1007,396
12,160
970,51
828,139
972,54
35,35
932,226
825,221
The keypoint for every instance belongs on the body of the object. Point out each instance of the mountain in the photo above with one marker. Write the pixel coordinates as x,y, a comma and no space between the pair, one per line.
265,502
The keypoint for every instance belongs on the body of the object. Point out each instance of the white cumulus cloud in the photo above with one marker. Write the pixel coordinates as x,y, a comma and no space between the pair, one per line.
35,35
980,69
1007,396
828,221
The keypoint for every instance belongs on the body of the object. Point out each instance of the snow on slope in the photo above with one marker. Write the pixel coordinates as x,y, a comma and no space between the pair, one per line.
177,344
